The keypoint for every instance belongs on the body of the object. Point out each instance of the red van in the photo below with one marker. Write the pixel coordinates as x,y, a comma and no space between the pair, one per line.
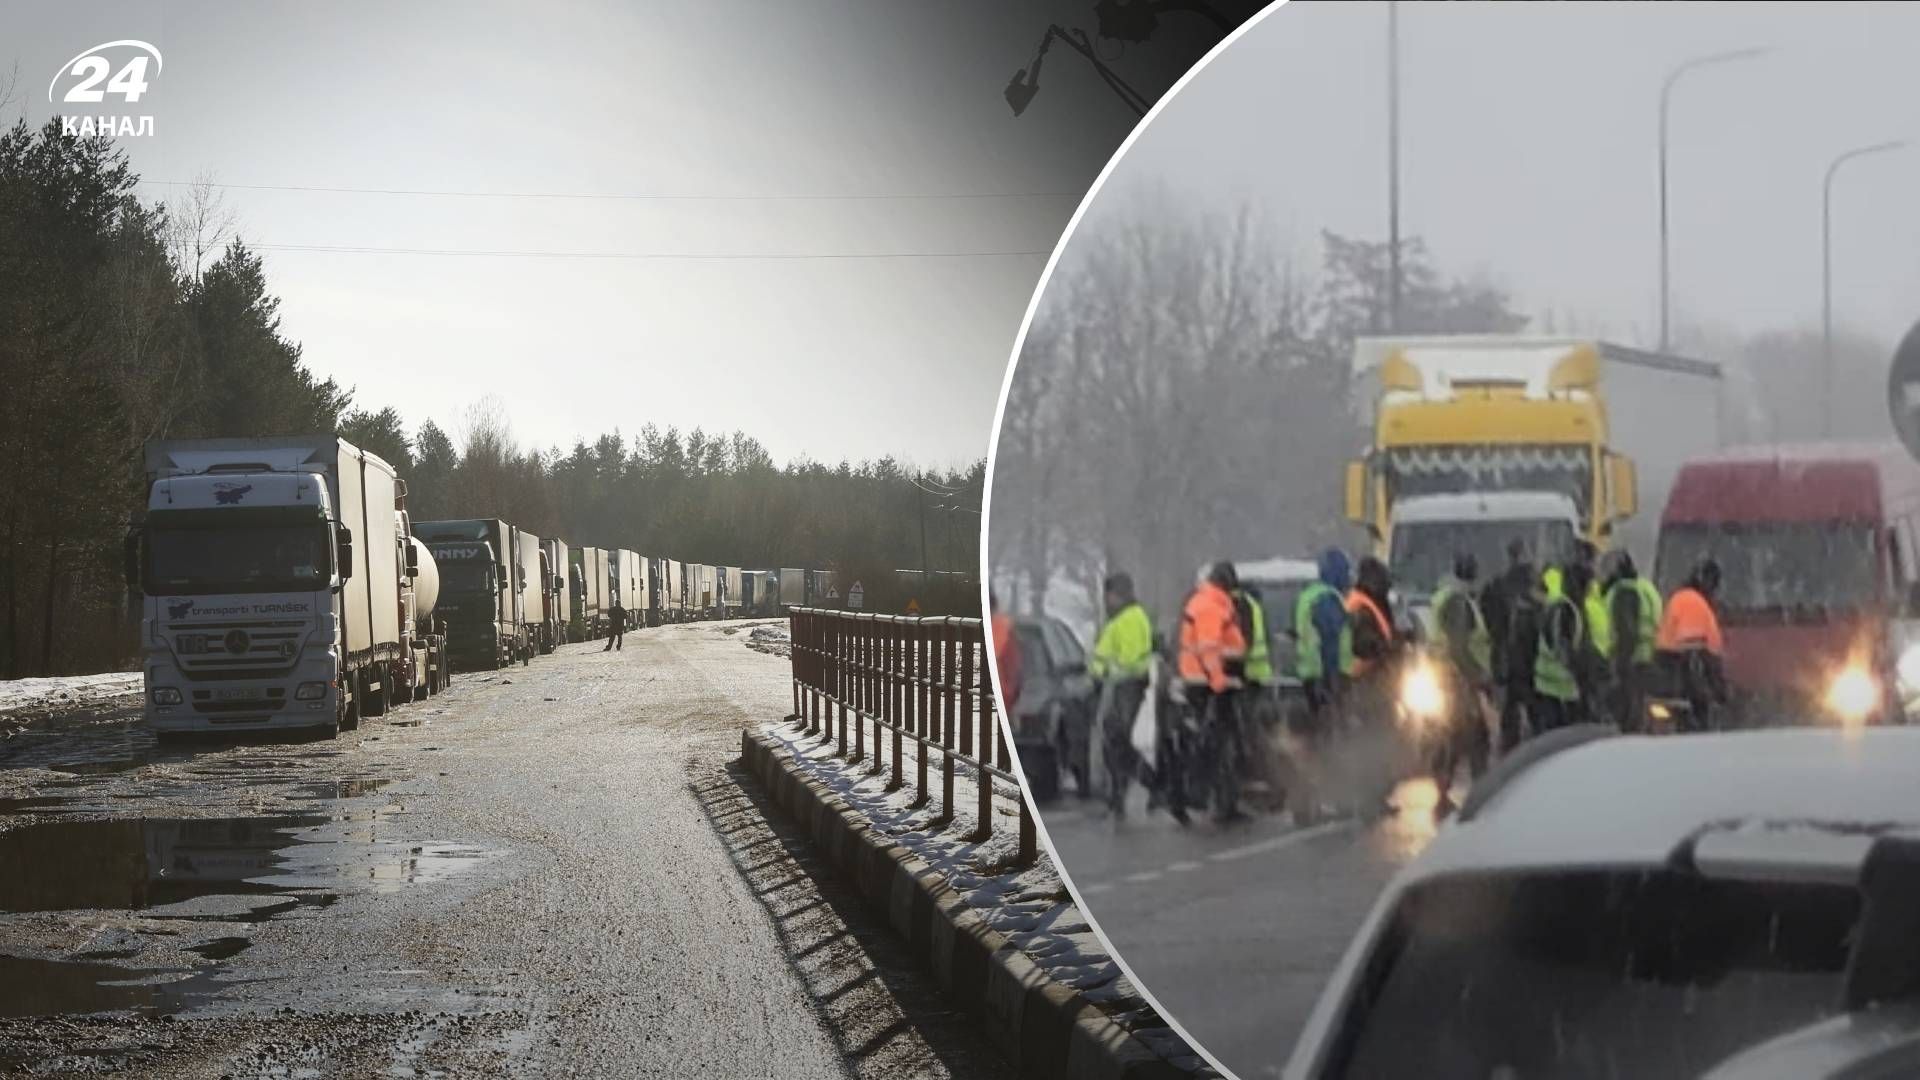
1819,550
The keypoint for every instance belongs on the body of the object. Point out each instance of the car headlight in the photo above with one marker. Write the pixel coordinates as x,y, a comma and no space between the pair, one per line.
1421,695
166,695
310,691
1853,695
1908,667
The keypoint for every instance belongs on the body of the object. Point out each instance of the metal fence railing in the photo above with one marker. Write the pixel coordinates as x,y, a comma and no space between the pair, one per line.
919,679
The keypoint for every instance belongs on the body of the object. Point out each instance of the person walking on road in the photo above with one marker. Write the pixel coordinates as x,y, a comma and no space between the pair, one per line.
1689,645
1567,669
1006,656
1122,659
1323,656
1511,604
1469,653
1369,699
1212,647
1634,610
616,626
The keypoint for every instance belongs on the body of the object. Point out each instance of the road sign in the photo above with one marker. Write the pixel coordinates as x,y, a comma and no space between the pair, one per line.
1903,391
856,596
913,607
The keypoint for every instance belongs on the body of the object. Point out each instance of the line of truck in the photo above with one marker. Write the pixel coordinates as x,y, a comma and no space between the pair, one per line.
285,585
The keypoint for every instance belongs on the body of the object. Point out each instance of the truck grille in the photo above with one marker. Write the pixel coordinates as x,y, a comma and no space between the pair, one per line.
236,650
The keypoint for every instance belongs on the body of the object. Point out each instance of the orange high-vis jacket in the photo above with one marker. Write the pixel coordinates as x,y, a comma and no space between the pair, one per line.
1358,601
1689,623
1209,637
1006,653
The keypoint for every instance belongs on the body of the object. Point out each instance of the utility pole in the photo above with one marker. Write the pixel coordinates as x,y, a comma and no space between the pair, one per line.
926,577
1393,166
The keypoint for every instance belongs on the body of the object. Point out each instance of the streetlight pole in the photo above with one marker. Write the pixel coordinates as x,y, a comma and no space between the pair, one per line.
1666,97
1826,269
1393,166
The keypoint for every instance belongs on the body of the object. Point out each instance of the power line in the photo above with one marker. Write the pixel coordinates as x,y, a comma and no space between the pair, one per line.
334,249
639,196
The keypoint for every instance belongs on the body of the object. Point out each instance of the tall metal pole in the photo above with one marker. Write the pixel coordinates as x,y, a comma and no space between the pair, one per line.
1826,273
1393,166
1666,97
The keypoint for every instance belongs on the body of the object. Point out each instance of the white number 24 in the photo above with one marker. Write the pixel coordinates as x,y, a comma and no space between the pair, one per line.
129,82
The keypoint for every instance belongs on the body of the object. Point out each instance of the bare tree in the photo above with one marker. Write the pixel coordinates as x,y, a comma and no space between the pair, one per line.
200,225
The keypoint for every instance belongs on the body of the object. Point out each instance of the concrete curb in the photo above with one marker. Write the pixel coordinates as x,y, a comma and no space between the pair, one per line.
1045,1027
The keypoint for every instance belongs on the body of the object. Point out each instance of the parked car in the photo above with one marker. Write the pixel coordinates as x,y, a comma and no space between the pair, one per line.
1055,714
1612,905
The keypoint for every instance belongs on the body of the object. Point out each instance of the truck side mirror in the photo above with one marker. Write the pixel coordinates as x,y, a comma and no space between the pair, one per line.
1913,600
413,561
1359,498
131,555
343,551
559,583
1621,484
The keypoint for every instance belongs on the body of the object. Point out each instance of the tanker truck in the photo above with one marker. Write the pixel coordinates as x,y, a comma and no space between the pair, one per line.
425,643
273,584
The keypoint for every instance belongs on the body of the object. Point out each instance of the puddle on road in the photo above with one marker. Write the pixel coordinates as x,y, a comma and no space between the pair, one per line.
154,862
47,987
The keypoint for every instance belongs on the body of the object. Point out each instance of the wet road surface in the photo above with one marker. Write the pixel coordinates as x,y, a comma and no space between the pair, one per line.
1236,928
549,870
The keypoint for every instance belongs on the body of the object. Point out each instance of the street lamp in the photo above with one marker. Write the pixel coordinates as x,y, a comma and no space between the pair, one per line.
1826,267
1666,96
1026,82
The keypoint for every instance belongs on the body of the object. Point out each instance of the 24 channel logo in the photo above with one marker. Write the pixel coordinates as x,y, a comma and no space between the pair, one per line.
93,77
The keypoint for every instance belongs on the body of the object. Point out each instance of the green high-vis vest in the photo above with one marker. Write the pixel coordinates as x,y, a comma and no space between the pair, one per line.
1307,662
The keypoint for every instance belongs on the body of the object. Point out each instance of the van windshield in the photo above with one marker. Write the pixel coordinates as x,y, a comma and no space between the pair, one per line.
1423,551
1777,569
1601,973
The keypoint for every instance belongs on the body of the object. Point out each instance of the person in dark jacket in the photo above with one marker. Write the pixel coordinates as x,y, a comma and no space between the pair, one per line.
1511,604
616,626
1464,640
1569,675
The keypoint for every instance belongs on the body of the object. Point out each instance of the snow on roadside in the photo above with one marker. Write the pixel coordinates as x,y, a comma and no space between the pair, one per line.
1030,906
67,691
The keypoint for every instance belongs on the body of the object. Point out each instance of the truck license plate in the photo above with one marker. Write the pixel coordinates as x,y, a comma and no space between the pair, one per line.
191,644
236,695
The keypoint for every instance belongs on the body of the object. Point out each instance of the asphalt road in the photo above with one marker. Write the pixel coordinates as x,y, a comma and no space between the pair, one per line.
549,871
1234,929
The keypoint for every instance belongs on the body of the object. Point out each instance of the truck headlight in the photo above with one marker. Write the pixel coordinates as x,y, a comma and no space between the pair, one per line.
1853,695
166,695
310,691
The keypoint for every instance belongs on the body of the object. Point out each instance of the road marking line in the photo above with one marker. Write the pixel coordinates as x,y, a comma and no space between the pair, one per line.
1098,887
1286,839
1142,877
1184,866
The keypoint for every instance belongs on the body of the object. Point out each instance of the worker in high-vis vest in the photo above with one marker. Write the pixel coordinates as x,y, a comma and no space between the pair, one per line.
1688,648
1633,612
1213,651
1323,650
1564,667
1122,659
1371,743
1468,648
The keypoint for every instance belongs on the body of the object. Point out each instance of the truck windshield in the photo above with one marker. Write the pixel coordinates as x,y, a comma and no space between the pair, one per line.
1777,570
1423,551
200,552
466,575
1601,973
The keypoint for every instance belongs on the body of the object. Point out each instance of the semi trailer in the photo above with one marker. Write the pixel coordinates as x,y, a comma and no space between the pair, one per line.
557,593
274,586
592,585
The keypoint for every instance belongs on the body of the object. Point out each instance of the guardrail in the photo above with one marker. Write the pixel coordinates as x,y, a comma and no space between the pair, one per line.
924,679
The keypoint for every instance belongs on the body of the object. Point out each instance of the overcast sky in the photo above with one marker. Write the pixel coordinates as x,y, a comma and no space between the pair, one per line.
826,357
1529,150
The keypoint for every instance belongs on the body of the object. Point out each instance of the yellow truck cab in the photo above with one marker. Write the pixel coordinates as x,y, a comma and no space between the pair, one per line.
1584,421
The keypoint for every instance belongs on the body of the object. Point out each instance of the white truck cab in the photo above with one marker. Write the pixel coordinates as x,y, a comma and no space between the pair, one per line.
1427,531
273,584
